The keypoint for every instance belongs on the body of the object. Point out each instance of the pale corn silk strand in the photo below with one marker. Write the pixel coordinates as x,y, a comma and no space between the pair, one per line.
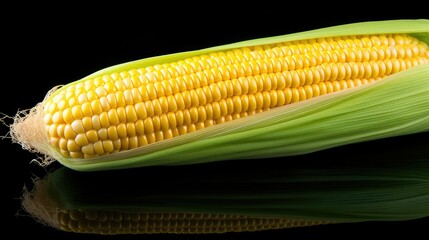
26,131
65,146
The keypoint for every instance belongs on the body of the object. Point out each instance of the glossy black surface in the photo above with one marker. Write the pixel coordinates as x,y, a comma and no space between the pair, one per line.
46,48
339,184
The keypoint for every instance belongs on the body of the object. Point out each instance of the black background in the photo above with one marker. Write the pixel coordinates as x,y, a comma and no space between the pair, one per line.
44,46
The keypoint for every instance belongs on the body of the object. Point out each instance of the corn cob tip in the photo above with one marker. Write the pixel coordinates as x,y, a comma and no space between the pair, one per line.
27,130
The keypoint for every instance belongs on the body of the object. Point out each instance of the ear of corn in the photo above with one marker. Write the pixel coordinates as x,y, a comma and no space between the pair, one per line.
177,109
390,184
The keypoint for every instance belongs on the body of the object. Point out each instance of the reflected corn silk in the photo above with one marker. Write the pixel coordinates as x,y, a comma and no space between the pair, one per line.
388,181
253,99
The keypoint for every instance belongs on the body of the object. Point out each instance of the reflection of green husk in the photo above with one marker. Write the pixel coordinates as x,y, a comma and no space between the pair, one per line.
383,180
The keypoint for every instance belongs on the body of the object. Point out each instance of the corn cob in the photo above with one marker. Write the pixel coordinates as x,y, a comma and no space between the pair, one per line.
127,110
135,105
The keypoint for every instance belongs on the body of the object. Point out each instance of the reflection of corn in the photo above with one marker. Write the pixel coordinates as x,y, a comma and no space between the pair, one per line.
106,222
125,110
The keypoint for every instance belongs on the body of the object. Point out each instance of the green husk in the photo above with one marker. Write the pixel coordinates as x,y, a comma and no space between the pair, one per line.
395,106
387,182
418,28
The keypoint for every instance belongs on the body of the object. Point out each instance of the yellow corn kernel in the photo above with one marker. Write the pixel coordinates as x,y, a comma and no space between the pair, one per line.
98,147
81,140
92,136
